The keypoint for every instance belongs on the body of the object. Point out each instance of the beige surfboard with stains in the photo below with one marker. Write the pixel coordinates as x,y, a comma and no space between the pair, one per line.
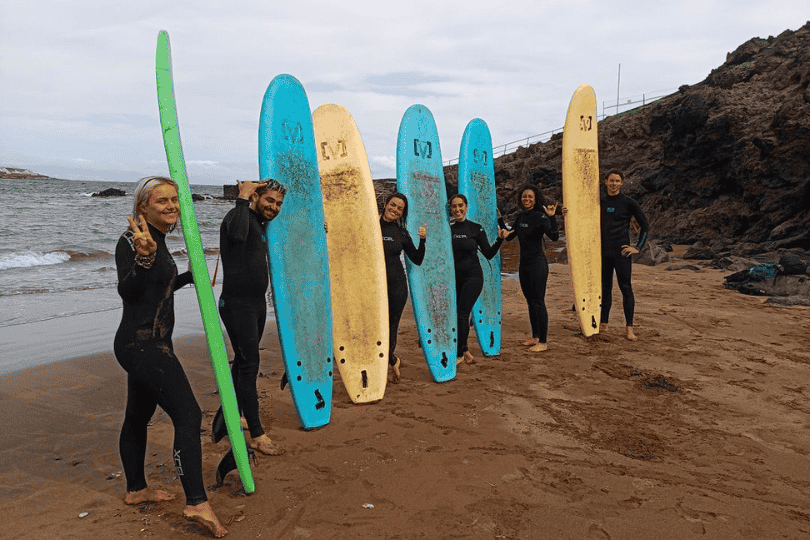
356,260
580,171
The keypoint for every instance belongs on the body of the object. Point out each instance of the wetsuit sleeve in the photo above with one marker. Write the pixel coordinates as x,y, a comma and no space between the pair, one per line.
237,222
131,277
643,223
483,244
553,231
416,255
186,278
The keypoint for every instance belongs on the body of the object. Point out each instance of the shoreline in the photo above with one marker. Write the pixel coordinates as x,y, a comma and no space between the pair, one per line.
699,429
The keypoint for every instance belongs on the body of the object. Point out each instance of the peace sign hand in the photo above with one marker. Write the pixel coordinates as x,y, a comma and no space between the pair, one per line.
144,244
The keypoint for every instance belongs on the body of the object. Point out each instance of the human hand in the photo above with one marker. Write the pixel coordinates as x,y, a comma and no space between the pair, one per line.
564,211
246,189
503,233
551,209
422,232
142,239
629,250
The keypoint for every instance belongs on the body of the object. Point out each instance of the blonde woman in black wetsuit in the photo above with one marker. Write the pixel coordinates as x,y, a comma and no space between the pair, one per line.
396,239
147,279
468,238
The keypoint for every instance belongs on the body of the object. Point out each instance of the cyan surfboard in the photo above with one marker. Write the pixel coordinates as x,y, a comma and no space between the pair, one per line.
202,282
420,177
476,181
296,245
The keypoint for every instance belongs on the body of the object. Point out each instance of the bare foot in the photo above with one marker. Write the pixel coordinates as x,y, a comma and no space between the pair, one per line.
244,423
532,341
147,494
540,347
395,367
264,445
630,334
603,327
459,360
468,357
204,515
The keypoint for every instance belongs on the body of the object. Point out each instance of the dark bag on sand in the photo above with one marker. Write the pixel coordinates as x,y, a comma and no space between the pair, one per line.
764,271
792,265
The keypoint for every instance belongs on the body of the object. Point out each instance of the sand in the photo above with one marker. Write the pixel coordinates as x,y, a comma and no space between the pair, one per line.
697,430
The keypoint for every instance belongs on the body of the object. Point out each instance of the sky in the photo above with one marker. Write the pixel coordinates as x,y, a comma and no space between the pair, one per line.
77,78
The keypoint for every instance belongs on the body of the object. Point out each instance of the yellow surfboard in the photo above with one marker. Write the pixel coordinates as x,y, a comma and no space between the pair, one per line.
356,260
580,171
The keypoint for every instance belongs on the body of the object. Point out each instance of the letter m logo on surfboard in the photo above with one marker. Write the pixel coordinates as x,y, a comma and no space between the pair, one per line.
295,135
480,156
334,151
422,149
585,123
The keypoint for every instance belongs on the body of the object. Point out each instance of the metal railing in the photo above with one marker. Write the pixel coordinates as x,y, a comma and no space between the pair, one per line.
498,151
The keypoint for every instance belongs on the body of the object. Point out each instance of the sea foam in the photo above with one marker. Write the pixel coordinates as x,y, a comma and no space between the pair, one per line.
32,258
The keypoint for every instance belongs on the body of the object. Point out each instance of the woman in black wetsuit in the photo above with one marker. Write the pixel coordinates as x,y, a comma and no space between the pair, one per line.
395,240
467,238
533,222
147,279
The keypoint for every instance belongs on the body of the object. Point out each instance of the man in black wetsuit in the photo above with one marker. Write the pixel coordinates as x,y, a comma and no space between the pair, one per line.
617,210
243,304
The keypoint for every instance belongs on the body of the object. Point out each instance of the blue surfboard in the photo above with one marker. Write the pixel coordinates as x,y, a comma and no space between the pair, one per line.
420,177
476,181
296,245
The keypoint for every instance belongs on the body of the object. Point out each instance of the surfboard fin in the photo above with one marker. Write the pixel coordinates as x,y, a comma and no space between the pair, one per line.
593,322
284,380
444,361
321,403
226,465
492,339
218,428
365,378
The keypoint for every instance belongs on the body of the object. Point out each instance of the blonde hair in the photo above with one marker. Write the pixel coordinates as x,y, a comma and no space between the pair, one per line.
144,189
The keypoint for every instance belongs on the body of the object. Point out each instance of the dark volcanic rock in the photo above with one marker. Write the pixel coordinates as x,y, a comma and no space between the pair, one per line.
110,192
726,160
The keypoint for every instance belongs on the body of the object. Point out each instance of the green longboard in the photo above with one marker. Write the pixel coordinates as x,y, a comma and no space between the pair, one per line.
202,281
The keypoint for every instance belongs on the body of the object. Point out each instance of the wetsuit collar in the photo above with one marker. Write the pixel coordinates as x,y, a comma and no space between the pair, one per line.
262,220
155,232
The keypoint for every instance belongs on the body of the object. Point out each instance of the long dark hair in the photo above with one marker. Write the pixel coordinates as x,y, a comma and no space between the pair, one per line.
397,195
539,199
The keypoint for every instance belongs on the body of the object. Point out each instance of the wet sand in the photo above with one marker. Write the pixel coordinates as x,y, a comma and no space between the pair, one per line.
697,430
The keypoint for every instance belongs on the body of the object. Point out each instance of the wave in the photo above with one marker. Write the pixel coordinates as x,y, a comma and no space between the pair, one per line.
32,258
28,259
78,256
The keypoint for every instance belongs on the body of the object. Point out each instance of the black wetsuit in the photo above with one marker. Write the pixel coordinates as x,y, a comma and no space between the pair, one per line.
529,228
396,240
242,304
468,238
616,213
143,347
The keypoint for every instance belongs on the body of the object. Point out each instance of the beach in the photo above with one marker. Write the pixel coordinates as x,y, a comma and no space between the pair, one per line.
697,430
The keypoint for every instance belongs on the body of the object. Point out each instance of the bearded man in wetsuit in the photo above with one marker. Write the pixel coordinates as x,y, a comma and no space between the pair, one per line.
617,210
243,303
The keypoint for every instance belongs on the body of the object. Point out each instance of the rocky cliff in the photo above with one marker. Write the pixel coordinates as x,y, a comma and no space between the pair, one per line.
725,161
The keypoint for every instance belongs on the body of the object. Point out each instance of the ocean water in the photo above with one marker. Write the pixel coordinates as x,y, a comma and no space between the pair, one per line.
57,249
